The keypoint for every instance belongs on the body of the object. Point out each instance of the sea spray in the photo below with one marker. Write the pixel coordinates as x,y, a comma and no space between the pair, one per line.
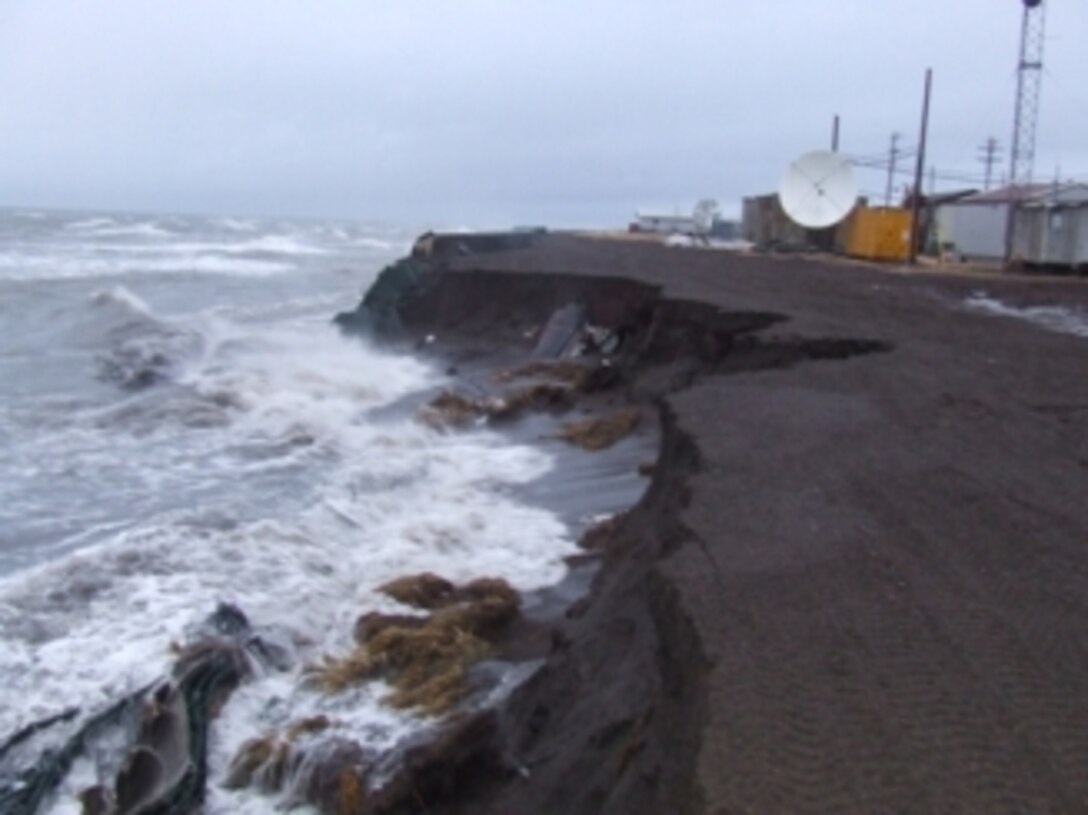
182,428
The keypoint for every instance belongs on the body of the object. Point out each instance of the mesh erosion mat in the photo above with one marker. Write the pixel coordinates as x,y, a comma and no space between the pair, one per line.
163,769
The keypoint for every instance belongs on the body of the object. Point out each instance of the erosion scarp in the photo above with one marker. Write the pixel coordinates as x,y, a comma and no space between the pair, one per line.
613,720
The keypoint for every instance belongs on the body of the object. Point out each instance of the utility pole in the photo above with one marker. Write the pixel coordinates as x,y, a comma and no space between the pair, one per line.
916,203
893,157
988,155
835,134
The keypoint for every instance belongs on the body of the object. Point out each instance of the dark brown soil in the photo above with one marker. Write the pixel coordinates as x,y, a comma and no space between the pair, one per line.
859,579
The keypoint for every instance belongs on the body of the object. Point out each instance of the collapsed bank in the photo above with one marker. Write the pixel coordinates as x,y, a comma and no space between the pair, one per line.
857,580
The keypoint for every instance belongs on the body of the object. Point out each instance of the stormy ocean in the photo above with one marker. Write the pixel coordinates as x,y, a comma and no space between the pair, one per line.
181,426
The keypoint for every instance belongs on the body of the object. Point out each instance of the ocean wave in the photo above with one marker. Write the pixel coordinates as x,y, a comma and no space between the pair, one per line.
112,228
295,504
91,224
25,266
236,224
92,626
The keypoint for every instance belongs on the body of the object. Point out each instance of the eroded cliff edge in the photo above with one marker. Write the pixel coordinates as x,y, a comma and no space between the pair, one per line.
856,582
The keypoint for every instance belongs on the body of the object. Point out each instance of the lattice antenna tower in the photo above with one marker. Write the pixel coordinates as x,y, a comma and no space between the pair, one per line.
1029,83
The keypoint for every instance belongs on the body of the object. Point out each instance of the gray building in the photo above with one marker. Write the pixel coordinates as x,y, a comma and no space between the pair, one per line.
973,227
1052,229
675,224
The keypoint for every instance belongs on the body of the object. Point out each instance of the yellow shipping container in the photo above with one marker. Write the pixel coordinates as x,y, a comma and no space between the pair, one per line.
879,233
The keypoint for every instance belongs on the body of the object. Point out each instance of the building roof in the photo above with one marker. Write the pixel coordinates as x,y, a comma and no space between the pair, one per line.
1062,195
1007,194
937,198
1066,192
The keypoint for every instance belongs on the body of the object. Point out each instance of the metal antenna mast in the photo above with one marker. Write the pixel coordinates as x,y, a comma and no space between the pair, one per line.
1029,78
988,154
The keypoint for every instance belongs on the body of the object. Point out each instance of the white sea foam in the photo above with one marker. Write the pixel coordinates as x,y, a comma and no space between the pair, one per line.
294,504
266,461
237,224
1061,319
143,229
21,266
91,224
266,244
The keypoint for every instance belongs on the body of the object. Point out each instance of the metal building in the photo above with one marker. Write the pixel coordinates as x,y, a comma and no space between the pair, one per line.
1052,230
973,227
665,224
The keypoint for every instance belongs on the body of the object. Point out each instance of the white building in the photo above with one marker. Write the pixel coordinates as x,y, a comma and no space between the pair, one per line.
665,224
973,228
1052,230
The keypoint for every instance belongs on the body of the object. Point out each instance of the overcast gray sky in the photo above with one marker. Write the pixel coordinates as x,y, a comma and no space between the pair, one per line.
499,111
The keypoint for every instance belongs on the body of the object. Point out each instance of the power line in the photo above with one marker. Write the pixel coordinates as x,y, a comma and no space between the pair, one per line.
989,154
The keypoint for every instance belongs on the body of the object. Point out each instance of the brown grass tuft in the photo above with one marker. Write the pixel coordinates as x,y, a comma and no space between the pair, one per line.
451,409
426,666
601,432
539,397
563,370
370,624
490,588
424,590
263,761
303,727
581,377
349,793
335,674
426,660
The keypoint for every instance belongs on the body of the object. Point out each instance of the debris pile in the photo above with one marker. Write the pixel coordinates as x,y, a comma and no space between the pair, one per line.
150,748
601,432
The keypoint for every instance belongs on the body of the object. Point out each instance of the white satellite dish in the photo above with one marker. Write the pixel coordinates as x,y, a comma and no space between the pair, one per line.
818,189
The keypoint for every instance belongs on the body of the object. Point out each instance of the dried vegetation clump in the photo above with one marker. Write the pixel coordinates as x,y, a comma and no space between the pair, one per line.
425,590
581,377
425,659
562,370
540,397
450,409
265,762
601,432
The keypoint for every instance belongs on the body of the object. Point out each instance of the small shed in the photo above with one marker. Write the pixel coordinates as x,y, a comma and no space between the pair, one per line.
1052,230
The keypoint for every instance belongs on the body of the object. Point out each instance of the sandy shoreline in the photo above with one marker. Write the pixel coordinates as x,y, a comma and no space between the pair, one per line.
858,580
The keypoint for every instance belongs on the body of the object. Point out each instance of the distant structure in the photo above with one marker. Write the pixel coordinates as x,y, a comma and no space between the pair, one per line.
704,222
1029,78
664,224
